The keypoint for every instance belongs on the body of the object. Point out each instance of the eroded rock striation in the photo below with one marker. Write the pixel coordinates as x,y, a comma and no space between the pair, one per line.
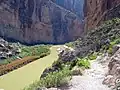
96,11
41,21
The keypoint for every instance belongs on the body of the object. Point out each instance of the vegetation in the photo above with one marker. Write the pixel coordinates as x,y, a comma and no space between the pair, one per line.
70,44
73,44
92,56
29,73
54,79
33,50
28,54
61,77
85,63
112,43
102,38
37,50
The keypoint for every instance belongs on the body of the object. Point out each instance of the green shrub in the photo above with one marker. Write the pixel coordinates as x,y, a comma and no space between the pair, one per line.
59,64
112,43
33,50
110,50
37,50
54,79
92,56
70,44
72,64
83,63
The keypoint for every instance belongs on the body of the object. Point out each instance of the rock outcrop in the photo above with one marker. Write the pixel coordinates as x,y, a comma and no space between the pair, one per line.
7,50
99,37
41,21
113,77
96,11
67,54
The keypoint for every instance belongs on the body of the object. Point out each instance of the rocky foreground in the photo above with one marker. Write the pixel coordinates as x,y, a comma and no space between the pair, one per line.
91,80
104,74
113,77
7,50
105,70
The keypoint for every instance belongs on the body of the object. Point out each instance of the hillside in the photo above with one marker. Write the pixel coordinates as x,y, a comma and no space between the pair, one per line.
97,11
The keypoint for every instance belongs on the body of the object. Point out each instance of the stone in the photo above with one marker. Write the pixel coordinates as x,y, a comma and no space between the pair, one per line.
113,75
67,55
42,88
7,50
115,48
77,71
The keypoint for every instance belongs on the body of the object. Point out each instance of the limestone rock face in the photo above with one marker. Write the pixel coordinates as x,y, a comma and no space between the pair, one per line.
40,21
96,11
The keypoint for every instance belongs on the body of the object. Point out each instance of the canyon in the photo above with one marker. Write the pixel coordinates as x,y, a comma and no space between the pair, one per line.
53,21
41,21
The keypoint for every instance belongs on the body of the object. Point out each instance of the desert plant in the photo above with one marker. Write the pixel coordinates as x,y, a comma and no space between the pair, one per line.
112,43
37,50
92,56
54,79
84,62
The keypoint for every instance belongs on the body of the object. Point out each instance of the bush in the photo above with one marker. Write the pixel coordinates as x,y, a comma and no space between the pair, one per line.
54,79
37,50
59,64
112,43
92,56
33,50
83,63
72,64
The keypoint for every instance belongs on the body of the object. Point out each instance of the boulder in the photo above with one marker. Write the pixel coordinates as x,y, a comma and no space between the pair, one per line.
77,71
67,55
7,50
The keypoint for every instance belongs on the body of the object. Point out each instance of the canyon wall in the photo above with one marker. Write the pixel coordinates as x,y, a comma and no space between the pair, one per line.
53,21
96,11
41,21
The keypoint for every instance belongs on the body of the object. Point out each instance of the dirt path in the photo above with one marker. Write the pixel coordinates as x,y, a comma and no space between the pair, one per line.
92,80
22,77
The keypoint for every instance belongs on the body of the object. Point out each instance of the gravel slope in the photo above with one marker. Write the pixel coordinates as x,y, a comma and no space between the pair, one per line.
91,80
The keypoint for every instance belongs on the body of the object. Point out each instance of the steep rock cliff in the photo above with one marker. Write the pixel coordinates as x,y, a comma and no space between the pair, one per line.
75,6
96,11
40,21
